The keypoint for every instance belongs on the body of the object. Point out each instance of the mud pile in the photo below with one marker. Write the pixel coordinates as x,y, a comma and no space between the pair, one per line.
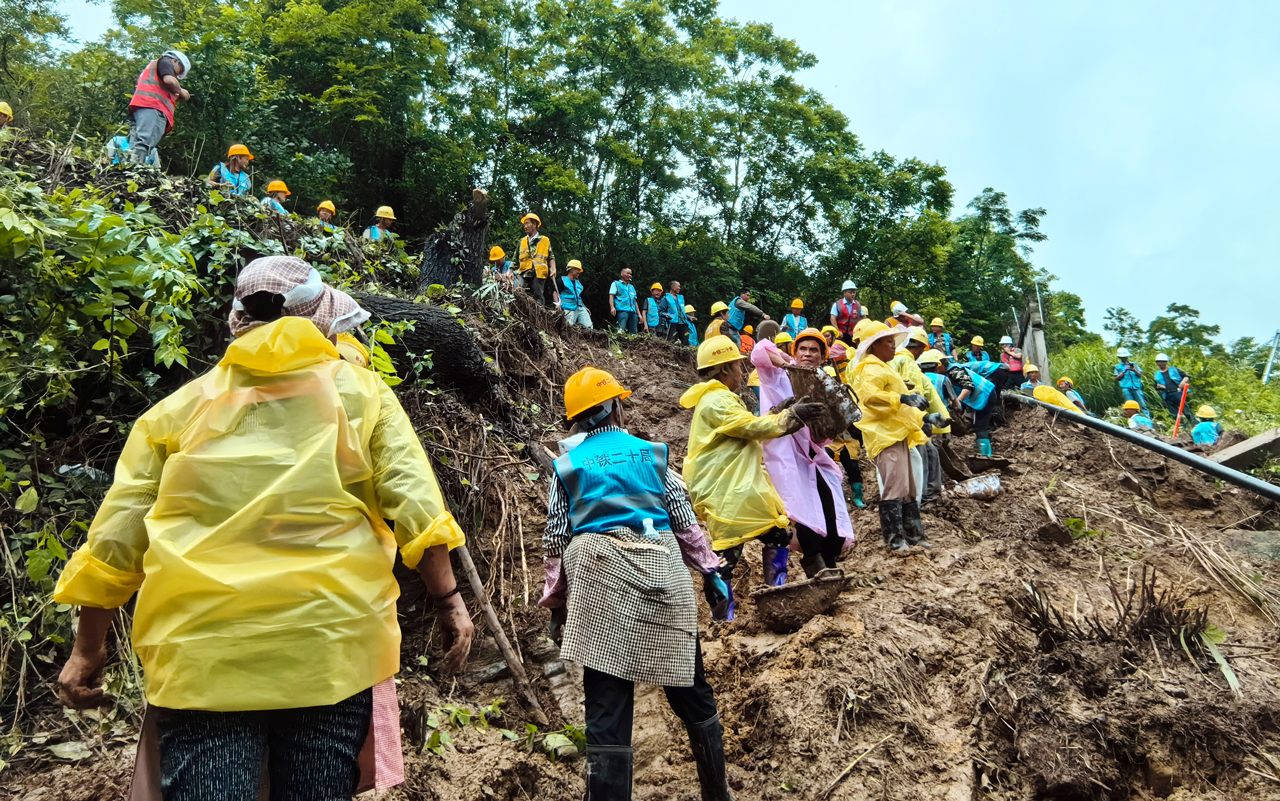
1051,645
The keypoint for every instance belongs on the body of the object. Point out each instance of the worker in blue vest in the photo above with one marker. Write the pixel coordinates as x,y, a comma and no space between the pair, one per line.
277,192
1033,379
1207,431
1170,382
939,339
977,397
620,532
691,315
118,152
976,352
380,231
1138,420
1067,387
1129,376
794,322
232,176
651,320
571,303
671,312
738,311
324,213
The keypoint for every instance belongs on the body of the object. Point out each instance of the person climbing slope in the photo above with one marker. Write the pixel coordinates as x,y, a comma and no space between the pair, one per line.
536,271
151,109
978,396
724,462
620,533
266,621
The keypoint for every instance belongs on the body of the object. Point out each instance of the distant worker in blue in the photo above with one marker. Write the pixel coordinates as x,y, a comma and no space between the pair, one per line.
794,322
1208,431
380,231
571,303
1138,420
1129,376
232,176
651,320
1033,379
277,192
977,396
672,314
118,152
940,338
738,310
691,315
325,212
1170,381
1067,387
976,352
499,266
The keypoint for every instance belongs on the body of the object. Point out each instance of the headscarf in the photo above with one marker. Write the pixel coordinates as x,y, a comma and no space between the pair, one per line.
305,295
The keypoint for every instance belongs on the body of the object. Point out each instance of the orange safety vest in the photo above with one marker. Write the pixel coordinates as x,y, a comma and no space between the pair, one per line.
538,260
151,93
713,329
748,344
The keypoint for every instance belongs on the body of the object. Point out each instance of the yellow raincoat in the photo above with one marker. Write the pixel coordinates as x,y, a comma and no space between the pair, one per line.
904,364
884,419
841,443
724,466
248,513
1047,394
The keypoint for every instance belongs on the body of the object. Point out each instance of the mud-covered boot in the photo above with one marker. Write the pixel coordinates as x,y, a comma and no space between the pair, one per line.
891,525
706,740
609,772
857,496
813,564
984,447
913,526
775,565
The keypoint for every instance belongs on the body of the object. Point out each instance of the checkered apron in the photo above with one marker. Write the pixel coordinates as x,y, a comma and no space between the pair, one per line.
632,612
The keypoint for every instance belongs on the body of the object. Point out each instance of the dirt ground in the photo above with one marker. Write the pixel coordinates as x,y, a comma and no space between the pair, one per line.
1020,658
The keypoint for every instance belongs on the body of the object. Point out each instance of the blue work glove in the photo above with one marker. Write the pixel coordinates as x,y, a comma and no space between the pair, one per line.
719,595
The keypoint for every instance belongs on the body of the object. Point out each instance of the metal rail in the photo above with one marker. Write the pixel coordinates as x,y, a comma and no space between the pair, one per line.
1219,471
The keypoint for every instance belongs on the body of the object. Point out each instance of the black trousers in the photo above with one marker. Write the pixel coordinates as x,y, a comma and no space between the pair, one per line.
811,542
312,753
611,703
852,467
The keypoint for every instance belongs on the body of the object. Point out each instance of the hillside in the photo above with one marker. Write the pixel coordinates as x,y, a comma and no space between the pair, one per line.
1020,659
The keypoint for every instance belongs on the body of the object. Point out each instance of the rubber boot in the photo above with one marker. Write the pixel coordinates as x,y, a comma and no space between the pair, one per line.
913,526
706,740
984,447
857,496
813,564
609,772
892,527
775,566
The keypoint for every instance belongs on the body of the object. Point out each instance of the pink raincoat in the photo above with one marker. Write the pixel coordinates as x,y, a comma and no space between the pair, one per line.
788,461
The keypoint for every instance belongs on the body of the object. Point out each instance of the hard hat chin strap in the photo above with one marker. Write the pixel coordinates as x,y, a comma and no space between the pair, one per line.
606,409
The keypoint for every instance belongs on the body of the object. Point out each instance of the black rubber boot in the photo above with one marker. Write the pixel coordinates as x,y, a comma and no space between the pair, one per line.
891,525
813,564
609,772
913,526
706,740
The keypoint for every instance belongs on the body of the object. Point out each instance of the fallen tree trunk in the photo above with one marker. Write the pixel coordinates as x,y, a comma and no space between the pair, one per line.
456,360
458,253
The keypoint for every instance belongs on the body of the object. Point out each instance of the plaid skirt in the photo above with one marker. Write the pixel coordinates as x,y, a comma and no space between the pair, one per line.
632,610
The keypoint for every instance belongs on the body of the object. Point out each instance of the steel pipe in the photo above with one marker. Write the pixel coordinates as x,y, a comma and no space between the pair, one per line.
1207,466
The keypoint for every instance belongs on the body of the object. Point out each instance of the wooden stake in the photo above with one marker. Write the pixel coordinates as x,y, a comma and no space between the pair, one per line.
1048,509
504,645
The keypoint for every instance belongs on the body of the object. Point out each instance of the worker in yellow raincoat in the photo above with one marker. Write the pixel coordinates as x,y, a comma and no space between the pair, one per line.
926,464
249,514
724,463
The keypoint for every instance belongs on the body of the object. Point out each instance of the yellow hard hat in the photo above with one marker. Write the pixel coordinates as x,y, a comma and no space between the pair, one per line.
239,150
385,213
718,307
930,356
835,331
1206,412
936,321
746,329
590,387
860,331
1030,368
5,109
328,206
815,335
657,286
977,341
278,186
690,310
797,304
531,216
573,264
1067,381
782,339
1132,404
917,334
719,349
496,253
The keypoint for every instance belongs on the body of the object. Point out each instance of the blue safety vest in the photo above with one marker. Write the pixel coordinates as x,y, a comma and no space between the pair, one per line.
272,203
122,148
240,182
1075,397
1207,432
681,317
984,357
1140,421
651,311
737,316
376,233
571,297
793,324
982,390
1132,379
946,341
693,332
670,312
986,369
624,296
614,480
1171,378
939,382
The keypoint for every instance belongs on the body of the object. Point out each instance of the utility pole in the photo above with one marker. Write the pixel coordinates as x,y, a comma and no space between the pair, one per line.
1266,374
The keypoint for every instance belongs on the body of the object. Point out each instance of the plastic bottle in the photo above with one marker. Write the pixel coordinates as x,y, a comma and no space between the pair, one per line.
649,530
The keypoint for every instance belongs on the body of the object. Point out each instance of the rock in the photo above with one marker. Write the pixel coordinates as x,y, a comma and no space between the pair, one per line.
1160,778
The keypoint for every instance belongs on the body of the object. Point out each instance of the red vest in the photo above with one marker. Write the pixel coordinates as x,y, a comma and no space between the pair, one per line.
847,315
151,93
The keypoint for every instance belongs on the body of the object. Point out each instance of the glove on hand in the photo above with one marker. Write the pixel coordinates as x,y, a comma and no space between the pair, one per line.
808,411
915,401
555,629
936,419
786,404
719,595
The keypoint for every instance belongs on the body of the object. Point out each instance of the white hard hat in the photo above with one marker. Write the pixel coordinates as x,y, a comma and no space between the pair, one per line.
1162,357
1123,352
1006,340
182,59
848,285
898,308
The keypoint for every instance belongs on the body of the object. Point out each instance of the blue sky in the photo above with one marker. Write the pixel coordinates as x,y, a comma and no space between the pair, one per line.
1146,129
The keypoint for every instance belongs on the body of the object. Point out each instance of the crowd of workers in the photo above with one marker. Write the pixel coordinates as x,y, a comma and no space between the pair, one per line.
256,511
